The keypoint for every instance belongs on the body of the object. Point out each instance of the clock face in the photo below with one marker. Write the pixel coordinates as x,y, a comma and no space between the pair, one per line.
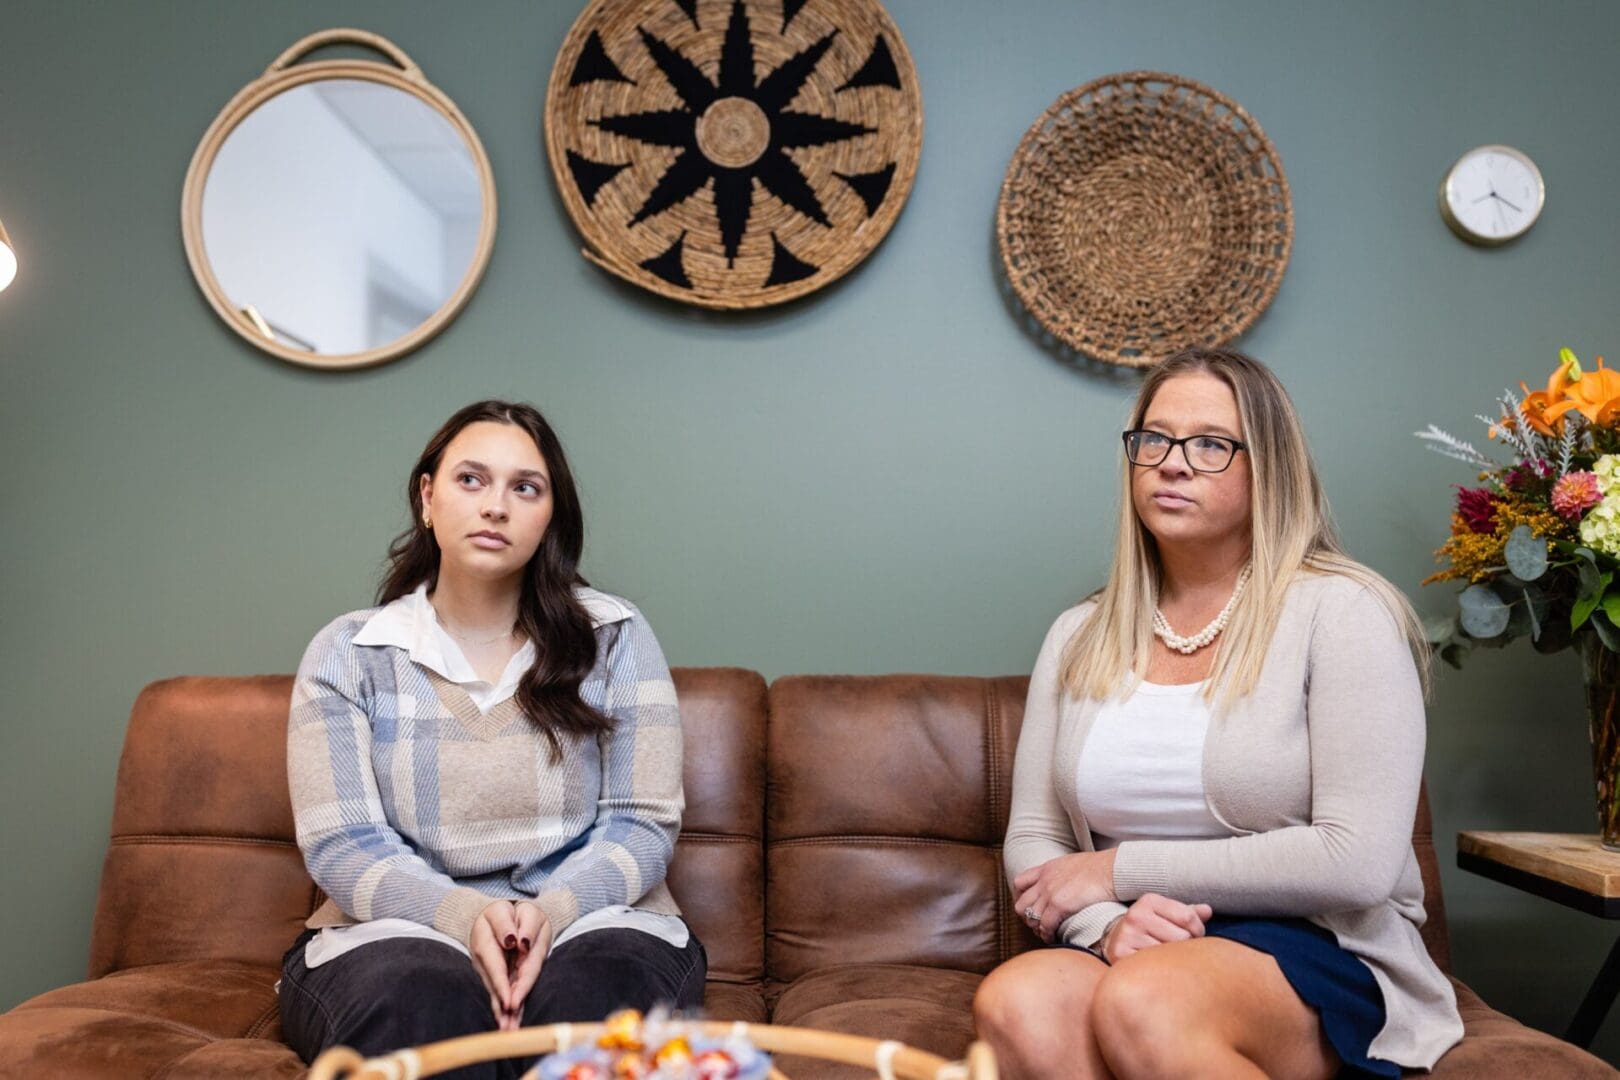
1492,194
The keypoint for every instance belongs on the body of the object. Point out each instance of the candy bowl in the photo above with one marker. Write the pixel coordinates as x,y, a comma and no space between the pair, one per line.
656,1048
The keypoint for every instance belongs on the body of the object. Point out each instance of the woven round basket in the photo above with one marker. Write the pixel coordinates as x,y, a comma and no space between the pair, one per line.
733,153
1144,213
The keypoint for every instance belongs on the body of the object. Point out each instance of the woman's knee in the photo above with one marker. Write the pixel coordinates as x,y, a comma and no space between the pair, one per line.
596,973
1032,1007
406,993
1147,1007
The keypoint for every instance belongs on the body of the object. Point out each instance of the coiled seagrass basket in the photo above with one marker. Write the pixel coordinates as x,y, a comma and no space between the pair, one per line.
1144,213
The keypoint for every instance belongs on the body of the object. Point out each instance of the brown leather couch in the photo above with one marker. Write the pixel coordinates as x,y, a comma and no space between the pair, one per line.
841,861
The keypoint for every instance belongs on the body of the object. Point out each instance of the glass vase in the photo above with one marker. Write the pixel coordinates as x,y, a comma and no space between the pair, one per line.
1601,669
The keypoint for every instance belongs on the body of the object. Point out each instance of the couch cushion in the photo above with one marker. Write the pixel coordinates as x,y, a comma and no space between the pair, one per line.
70,1042
256,1058
217,999
927,1008
1495,1045
728,1001
888,803
718,873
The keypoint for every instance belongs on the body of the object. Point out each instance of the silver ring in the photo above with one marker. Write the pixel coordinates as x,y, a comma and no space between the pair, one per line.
1029,915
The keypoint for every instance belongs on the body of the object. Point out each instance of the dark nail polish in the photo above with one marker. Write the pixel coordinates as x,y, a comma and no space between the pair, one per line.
511,942
525,944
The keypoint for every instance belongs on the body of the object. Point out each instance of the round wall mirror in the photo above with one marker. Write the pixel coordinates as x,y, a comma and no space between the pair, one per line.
339,213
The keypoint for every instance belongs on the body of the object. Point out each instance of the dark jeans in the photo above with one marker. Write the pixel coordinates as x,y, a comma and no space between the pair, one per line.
405,992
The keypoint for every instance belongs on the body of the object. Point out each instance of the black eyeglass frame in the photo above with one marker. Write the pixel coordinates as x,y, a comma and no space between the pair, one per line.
1125,437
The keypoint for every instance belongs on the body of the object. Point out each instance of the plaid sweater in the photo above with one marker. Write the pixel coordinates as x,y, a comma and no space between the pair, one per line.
410,803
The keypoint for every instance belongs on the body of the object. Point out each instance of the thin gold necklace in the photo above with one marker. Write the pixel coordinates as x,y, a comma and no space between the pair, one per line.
462,639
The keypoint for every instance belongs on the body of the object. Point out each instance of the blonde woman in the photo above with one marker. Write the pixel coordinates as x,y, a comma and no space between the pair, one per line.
1216,780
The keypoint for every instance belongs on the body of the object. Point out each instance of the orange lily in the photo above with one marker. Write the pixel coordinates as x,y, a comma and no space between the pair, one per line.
1595,394
1537,402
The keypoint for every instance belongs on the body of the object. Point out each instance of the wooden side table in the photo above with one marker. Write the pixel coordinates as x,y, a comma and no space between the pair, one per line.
1572,869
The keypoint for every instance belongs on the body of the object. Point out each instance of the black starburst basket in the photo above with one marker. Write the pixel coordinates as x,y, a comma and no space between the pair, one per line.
733,153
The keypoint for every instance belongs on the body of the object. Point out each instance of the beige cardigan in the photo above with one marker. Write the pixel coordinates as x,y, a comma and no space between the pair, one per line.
1317,771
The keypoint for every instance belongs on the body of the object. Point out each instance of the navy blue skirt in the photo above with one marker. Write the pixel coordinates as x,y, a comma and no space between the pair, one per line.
1328,978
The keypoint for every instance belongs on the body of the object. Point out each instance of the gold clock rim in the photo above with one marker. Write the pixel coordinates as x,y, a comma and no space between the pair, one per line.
1463,231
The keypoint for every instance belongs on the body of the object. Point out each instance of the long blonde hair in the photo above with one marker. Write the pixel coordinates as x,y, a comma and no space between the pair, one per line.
1292,534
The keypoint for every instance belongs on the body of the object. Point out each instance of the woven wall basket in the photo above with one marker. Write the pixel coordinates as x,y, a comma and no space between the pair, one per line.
733,153
1144,213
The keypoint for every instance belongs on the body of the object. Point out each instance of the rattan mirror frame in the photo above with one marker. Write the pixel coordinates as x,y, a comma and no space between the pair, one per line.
284,74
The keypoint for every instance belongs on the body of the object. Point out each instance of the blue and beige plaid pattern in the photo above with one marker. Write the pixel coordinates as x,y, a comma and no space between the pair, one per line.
410,803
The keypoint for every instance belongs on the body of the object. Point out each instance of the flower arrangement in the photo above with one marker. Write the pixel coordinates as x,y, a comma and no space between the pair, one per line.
1538,541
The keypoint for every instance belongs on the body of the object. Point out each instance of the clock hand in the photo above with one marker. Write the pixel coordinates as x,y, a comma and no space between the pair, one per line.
1500,199
1487,195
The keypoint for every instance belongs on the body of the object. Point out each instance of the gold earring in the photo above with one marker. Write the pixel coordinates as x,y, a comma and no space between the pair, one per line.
427,522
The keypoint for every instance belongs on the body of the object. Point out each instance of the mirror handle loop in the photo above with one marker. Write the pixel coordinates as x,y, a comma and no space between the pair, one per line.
349,36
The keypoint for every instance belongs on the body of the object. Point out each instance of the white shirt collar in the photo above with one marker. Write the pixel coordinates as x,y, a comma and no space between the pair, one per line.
410,623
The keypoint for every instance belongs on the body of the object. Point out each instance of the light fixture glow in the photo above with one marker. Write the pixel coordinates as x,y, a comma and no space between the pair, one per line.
8,259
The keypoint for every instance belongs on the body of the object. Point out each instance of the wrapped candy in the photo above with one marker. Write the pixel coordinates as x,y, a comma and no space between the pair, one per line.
630,1067
621,1031
586,1070
715,1065
674,1053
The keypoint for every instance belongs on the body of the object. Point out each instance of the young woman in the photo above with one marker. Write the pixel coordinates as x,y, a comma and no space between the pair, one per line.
1216,780
485,773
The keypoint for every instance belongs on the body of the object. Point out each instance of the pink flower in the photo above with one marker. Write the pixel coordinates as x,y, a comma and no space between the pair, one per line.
1477,508
1576,492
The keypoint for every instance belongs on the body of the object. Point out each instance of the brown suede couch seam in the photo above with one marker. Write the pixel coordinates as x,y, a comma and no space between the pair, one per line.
876,841
134,839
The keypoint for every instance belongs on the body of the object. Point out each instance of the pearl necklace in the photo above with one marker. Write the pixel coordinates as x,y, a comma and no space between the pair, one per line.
1186,646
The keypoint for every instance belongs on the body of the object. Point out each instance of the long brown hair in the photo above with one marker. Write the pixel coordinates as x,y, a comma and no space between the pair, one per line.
549,613
1292,530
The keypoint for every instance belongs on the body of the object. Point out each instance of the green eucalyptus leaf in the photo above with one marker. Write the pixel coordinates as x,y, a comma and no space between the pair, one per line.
1526,554
1440,630
1582,610
1482,612
1593,581
1611,607
1535,618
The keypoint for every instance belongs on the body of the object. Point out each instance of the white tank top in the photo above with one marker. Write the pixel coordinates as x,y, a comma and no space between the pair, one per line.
1140,775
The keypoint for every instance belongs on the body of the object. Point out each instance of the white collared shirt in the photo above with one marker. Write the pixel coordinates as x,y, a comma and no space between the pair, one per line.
412,624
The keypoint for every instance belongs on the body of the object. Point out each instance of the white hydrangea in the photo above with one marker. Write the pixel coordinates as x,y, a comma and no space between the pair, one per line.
1600,529
1607,468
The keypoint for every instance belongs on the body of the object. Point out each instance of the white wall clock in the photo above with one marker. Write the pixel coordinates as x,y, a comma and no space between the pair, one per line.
1493,194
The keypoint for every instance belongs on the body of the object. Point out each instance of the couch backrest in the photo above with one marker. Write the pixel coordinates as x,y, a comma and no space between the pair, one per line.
718,875
888,801
202,862
860,821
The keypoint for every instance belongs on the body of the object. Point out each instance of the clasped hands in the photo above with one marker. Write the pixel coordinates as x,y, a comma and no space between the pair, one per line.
1049,893
509,942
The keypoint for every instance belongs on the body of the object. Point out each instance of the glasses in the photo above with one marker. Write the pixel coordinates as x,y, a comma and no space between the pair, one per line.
1204,453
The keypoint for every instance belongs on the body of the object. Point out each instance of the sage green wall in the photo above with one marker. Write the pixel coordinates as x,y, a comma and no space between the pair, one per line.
890,476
